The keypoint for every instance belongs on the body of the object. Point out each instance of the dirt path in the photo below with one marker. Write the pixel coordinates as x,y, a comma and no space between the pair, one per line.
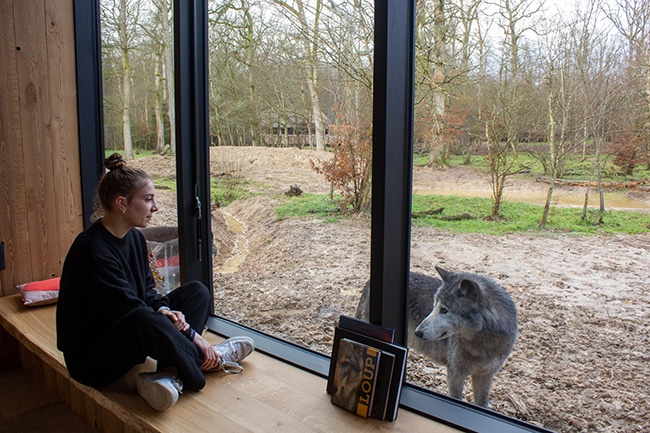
581,358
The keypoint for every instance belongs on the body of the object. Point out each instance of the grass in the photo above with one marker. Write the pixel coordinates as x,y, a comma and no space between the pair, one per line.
225,190
165,183
522,218
576,168
307,204
515,217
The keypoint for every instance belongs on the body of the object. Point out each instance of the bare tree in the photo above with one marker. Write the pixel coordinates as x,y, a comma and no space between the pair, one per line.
310,37
560,105
347,39
601,93
435,65
508,104
120,18
236,39
165,73
347,42
631,18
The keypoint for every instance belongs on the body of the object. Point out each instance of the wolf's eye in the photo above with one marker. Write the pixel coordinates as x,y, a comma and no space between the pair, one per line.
443,310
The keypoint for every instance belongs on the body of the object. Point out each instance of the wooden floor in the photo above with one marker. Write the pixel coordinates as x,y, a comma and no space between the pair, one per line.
269,396
27,406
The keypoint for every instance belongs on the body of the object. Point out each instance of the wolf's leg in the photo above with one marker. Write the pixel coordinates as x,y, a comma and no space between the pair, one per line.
455,382
481,385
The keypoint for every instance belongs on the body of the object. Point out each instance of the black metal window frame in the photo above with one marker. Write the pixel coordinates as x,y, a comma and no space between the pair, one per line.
391,187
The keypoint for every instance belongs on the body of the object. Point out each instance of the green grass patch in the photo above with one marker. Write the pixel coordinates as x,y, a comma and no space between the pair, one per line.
165,183
521,218
576,167
515,217
307,204
228,189
420,160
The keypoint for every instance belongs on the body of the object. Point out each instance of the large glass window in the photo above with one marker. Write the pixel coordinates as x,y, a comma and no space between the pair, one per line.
139,113
294,96
290,129
517,135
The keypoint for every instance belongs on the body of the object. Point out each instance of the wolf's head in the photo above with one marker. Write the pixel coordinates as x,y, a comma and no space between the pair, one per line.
460,307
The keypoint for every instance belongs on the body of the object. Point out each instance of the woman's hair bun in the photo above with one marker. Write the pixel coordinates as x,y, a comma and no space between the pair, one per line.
114,161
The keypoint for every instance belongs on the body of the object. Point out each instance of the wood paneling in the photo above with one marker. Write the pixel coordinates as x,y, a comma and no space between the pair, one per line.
40,190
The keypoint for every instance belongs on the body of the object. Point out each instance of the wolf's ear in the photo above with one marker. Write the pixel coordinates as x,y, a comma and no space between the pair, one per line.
469,289
444,274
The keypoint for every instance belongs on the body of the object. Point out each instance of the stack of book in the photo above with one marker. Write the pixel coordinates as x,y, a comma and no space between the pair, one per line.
367,370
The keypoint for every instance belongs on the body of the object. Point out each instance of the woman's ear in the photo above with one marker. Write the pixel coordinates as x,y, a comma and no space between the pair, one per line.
121,203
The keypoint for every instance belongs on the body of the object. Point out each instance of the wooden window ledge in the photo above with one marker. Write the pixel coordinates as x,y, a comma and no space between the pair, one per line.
268,396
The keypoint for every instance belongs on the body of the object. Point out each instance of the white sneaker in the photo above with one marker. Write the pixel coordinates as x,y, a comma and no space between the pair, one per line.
231,352
160,390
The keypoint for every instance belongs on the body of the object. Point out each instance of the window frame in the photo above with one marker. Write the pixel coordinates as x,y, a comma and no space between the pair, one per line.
391,186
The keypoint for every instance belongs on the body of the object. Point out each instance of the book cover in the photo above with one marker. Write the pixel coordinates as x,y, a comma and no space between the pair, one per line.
355,376
398,372
379,332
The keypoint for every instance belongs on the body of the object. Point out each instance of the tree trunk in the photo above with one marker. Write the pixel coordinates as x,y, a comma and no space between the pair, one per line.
437,147
365,200
126,82
599,167
552,145
168,56
158,108
311,54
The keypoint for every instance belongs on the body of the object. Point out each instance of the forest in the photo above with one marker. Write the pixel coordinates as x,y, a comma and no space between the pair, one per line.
497,78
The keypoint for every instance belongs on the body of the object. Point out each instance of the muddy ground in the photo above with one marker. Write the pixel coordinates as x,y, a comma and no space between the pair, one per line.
581,361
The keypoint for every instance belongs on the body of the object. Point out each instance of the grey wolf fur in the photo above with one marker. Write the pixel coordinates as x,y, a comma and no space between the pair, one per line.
465,321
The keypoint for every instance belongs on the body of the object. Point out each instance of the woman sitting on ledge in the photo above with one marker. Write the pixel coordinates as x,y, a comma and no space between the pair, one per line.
109,316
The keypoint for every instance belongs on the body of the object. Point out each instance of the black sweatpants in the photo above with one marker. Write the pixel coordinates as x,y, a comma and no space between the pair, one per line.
144,332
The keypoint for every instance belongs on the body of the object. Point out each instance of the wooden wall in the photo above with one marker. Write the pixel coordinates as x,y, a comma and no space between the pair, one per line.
40,182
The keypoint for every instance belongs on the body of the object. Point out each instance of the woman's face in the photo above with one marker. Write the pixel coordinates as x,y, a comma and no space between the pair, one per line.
140,209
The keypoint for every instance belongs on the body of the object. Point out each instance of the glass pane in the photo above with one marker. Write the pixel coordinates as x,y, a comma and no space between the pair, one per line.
137,73
501,115
290,110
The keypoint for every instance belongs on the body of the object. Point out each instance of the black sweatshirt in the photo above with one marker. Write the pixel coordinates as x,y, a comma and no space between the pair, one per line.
103,278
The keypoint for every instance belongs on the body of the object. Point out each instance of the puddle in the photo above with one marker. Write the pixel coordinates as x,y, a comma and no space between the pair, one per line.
241,246
613,200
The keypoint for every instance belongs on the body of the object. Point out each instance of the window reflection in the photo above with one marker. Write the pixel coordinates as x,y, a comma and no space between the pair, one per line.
138,117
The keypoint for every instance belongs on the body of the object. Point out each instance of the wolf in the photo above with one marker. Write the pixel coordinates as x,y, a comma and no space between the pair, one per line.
466,322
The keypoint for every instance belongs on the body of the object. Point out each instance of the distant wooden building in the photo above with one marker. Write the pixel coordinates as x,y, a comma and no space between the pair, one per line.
293,131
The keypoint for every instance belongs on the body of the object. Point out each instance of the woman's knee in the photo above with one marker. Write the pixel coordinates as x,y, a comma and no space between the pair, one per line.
199,288
194,290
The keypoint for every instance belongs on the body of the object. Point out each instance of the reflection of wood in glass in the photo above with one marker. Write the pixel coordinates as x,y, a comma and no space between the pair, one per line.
164,258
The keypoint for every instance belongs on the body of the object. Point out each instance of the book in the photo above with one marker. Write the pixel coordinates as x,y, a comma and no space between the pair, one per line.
355,376
379,332
391,385
384,379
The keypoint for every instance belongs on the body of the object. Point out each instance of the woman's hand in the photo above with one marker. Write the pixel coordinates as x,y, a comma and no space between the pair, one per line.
210,359
177,318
